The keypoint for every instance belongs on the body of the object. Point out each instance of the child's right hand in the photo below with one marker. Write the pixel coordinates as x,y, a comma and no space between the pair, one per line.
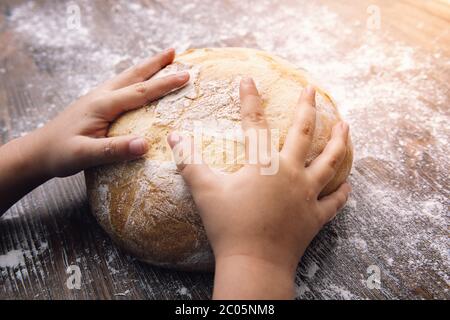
260,225
77,138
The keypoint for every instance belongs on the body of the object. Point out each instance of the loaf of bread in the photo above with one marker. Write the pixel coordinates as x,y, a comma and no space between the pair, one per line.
144,205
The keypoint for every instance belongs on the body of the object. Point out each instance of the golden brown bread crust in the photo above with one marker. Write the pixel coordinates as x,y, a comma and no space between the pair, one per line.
144,205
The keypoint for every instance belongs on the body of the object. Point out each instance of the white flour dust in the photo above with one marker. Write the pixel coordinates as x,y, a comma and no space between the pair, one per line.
370,75
12,259
16,259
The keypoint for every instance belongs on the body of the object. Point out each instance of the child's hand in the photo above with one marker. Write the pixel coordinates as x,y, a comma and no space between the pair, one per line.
75,140
260,225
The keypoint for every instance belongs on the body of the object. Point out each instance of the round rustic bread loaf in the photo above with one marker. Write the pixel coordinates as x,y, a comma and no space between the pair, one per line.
144,205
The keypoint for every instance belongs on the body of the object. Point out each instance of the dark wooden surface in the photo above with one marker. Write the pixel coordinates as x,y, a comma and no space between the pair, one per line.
391,82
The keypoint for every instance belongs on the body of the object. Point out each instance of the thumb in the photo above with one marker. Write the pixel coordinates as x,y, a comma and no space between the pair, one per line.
110,150
189,162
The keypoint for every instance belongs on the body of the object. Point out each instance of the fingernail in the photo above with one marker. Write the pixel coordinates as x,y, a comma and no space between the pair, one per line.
183,76
168,50
138,146
173,139
248,80
310,89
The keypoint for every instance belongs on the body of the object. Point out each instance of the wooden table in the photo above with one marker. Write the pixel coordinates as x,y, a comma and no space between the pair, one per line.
387,63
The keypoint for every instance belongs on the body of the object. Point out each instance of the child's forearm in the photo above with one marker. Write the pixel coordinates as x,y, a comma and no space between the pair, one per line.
243,277
22,163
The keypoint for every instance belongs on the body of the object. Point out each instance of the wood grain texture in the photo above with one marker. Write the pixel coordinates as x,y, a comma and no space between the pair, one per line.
397,217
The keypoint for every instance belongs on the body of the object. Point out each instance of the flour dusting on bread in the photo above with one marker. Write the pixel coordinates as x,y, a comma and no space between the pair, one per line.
149,208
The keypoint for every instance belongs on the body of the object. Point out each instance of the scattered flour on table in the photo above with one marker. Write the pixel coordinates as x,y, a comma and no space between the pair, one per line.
368,79
9,215
342,293
301,290
109,263
16,259
12,259
311,270
123,294
184,292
